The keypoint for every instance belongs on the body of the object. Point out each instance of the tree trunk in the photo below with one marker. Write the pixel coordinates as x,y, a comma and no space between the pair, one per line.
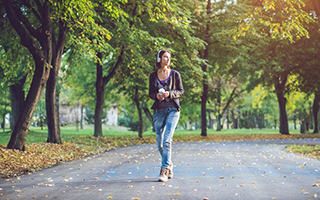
20,131
52,108
3,123
42,58
204,96
81,119
54,135
315,110
233,119
303,127
218,120
136,101
227,118
210,121
100,88
17,100
279,84
148,114
101,82
239,121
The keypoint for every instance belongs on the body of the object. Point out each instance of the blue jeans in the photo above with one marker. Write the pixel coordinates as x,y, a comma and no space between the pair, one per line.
165,122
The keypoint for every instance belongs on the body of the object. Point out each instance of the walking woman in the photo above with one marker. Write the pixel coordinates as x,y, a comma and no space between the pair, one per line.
165,87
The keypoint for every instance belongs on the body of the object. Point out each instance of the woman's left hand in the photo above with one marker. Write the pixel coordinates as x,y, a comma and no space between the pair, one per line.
165,94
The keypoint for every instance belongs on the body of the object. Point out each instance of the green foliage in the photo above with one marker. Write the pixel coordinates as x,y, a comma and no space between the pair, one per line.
89,117
78,81
277,19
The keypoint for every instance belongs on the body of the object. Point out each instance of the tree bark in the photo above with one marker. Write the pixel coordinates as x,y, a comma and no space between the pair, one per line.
100,88
315,110
17,101
54,135
279,84
20,131
210,121
136,101
81,119
204,96
218,120
234,122
149,115
101,82
42,57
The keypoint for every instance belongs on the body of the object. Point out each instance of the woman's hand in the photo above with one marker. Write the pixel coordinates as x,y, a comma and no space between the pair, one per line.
159,96
163,95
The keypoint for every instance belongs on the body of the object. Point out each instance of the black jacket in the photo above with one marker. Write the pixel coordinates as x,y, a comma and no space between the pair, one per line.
174,84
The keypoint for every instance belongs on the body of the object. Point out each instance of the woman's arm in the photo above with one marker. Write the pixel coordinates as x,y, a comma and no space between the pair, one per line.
152,89
177,91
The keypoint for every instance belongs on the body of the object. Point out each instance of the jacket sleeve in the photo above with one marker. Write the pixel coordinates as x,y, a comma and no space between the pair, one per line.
152,88
177,91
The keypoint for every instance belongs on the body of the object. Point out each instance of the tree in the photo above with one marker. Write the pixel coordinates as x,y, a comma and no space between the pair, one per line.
42,27
277,23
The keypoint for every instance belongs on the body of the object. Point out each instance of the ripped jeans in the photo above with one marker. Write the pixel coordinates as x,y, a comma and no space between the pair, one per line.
165,122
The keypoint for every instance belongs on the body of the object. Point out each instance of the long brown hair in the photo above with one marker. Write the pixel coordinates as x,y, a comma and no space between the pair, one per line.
160,53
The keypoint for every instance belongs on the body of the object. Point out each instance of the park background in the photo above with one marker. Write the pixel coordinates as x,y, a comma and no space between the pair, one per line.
68,68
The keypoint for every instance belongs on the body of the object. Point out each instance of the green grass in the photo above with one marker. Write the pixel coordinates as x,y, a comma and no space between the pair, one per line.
306,150
37,135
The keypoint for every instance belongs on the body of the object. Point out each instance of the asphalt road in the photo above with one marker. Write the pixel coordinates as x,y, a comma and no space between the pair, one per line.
203,170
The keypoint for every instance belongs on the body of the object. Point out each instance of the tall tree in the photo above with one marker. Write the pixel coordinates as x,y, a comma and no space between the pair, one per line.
277,23
204,96
42,27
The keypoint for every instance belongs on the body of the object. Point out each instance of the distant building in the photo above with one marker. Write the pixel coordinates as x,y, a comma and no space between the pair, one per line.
112,115
70,114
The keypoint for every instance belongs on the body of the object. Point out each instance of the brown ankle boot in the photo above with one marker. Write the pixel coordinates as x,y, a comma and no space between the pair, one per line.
163,177
170,175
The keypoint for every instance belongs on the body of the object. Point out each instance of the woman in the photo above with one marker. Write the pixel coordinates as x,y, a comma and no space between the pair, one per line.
165,87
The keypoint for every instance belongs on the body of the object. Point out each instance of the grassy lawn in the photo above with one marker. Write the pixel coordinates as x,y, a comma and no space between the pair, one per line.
80,143
36,135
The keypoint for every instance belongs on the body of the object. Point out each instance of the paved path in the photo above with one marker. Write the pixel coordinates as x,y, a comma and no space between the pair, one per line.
203,170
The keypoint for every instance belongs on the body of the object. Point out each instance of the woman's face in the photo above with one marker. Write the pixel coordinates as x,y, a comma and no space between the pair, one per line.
165,59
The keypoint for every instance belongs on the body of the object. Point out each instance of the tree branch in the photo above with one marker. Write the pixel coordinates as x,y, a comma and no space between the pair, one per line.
27,4
26,39
106,79
26,23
